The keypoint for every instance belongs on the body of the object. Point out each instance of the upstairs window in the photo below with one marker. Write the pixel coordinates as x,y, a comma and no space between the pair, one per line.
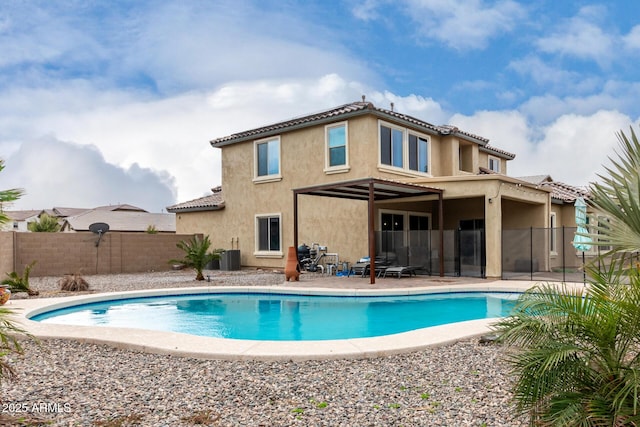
418,153
494,164
391,146
267,155
336,146
402,148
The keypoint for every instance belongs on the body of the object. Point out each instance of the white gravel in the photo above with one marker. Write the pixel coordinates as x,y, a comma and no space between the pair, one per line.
69,383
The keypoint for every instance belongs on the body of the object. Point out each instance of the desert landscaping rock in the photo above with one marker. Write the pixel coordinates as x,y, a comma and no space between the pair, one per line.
462,384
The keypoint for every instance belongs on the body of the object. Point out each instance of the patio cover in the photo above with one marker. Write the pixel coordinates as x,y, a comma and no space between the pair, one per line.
371,189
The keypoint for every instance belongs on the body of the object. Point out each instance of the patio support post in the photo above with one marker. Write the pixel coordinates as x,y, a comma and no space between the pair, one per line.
372,236
441,231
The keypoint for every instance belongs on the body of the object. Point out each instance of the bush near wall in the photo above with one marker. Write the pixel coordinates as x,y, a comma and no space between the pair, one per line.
68,253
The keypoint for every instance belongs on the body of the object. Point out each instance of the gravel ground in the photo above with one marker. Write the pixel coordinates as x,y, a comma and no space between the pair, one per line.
69,383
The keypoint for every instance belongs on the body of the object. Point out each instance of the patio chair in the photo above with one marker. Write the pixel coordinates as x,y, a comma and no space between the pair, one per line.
399,270
364,268
361,268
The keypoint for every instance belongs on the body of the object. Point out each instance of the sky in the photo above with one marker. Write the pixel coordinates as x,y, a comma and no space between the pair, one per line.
116,102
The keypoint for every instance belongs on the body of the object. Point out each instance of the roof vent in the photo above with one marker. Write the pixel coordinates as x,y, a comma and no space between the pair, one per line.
392,106
363,98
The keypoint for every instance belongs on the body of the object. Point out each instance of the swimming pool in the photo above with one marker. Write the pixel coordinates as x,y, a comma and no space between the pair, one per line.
285,317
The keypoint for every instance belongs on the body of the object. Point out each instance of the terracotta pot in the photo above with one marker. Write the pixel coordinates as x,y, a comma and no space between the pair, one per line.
291,271
5,294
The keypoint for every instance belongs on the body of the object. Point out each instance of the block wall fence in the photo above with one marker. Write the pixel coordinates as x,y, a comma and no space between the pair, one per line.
58,254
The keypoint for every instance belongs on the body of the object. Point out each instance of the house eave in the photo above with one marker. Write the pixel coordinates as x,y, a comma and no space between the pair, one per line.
195,209
391,116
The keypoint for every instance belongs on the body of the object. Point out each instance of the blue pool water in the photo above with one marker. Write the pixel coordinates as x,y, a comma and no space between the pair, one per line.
286,317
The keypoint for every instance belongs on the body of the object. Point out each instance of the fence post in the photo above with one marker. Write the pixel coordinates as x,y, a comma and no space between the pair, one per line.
531,253
458,260
564,267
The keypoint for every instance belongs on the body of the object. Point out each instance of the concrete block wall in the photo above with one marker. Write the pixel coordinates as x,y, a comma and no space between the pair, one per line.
67,253
6,252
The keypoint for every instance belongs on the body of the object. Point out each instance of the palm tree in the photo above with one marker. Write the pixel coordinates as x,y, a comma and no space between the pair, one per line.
575,352
17,283
7,196
195,254
9,343
617,198
45,224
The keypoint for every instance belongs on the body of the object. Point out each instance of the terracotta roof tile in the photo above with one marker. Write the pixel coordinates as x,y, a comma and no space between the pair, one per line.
565,192
122,220
211,202
354,108
559,190
22,215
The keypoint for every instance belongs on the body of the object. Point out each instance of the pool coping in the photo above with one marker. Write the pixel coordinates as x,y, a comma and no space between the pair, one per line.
185,345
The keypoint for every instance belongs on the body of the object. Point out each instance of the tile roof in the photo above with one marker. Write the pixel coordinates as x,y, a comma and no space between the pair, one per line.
211,202
22,215
559,190
65,212
565,192
122,220
536,179
348,110
120,207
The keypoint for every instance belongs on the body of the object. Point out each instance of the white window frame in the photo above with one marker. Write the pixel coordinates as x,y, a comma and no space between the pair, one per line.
327,156
271,177
405,169
267,253
426,138
553,234
497,161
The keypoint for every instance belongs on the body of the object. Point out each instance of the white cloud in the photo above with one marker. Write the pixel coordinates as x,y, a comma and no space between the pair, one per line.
541,72
581,37
170,134
57,173
572,149
468,24
632,40
366,10
187,45
167,139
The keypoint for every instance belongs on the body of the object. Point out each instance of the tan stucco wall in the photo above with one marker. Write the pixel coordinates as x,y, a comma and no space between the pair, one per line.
341,225
203,222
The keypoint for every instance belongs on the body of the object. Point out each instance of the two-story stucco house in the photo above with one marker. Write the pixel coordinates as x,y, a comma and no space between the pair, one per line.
364,180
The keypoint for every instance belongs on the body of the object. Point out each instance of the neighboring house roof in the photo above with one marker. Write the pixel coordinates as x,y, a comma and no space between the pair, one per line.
120,207
22,215
65,212
351,110
212,202
121,221
559,190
